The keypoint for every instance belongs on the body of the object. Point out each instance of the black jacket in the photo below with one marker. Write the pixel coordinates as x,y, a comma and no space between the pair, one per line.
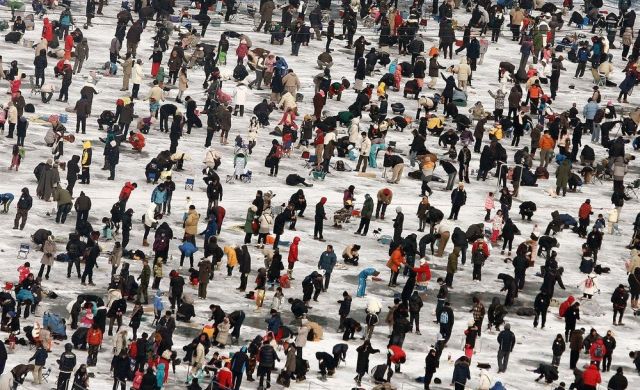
120,366
506,340
267,356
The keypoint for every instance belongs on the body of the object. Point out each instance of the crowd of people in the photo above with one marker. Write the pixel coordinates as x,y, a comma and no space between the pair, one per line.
162,53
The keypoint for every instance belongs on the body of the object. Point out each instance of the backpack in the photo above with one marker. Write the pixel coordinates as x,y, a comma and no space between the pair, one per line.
588,283
279,152
598,352
133,350
477,257
340,166
564,306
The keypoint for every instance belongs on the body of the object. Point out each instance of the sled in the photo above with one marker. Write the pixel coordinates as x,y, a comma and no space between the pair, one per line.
370,175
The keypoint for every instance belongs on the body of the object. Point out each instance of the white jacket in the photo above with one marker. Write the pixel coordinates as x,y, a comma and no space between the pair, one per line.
266,220
12,114
198,356
485,381
210,156
354,130
240,94
253,134
149,217
136,74
330,136
365,146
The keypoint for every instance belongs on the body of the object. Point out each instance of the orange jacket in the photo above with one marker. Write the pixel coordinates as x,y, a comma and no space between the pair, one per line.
546,142
396,260
94,337
535,91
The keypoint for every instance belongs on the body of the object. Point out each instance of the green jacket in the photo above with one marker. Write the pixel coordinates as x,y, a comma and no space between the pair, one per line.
562,174
251,215
367,208
145,275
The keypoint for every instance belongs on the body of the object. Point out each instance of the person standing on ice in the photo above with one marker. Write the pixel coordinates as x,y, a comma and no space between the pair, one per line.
506,342
319,218
326,263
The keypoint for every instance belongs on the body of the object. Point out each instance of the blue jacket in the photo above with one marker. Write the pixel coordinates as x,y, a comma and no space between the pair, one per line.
157,301
211,230
158,197
40,357
8,197
327,261
274,323
590,109
365,273
239,361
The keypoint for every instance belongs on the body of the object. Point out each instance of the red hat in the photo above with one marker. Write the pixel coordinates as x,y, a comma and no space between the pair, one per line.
323,200
386,192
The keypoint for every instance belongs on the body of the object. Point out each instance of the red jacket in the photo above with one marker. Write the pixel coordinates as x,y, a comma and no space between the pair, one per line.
585,211
397,354
125,193
485,248
591,376
137,141
47,30
225,379
94,337
68,43
293,250
592,350
220,217
423,273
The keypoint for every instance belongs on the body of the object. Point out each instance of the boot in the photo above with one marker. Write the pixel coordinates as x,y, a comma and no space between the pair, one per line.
145,242
290,274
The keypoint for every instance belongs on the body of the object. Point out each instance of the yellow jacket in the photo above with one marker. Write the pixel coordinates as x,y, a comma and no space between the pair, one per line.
434,122
496,132
232,259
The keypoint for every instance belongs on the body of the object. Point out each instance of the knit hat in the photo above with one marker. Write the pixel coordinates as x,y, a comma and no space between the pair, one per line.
398,209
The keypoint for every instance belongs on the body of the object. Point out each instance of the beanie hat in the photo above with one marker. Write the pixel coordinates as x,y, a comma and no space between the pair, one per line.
398,209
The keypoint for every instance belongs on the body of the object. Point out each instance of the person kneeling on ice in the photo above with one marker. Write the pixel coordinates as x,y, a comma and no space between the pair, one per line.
350,254
362,280
327,365
137,141
548,372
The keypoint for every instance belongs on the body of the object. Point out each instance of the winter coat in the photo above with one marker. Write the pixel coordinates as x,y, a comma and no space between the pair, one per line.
396,260
191,223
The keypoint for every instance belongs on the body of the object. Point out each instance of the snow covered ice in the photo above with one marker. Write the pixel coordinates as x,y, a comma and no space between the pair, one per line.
533,345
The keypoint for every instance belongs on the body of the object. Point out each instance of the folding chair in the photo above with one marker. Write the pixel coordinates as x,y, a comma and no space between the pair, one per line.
35,89
188,184
24,250
633,188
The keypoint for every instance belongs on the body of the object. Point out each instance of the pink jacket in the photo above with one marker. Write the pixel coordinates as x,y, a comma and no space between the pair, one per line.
489,203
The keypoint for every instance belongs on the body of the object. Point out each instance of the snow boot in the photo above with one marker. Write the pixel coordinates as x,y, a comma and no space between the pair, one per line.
145,242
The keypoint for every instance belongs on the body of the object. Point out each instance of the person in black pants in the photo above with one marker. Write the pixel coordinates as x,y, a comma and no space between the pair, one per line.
319,219
330,33
66,83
